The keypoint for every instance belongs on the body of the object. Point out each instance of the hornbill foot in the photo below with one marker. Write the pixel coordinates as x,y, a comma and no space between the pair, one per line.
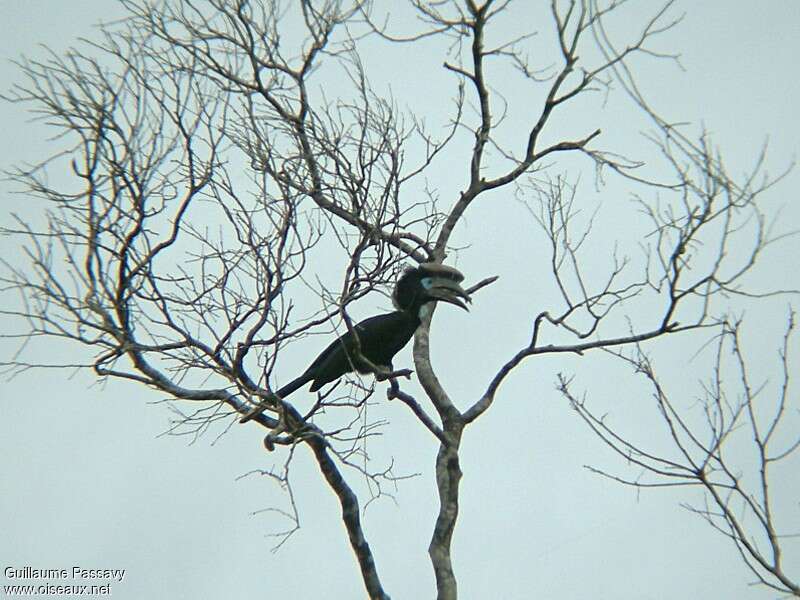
384,374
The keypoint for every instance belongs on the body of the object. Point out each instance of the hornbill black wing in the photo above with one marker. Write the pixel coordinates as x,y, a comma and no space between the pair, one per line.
380,337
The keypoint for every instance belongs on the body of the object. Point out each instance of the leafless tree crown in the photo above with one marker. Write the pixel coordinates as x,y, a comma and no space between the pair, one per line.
227,181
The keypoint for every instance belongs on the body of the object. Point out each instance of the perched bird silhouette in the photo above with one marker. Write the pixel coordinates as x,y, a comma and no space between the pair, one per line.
382,336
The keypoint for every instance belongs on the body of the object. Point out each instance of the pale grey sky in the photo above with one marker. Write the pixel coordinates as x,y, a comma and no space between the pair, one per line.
88,480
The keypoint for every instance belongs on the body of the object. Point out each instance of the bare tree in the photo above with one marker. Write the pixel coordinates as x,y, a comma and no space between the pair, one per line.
221,162
739,498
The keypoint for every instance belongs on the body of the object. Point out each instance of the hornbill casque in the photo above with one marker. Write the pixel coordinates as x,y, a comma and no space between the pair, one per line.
382,336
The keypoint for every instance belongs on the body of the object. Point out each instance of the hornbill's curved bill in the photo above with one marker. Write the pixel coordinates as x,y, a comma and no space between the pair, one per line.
382,336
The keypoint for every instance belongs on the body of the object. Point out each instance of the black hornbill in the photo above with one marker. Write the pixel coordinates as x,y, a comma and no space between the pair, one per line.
382,336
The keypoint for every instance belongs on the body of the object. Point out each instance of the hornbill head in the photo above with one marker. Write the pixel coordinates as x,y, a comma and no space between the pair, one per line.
427,283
